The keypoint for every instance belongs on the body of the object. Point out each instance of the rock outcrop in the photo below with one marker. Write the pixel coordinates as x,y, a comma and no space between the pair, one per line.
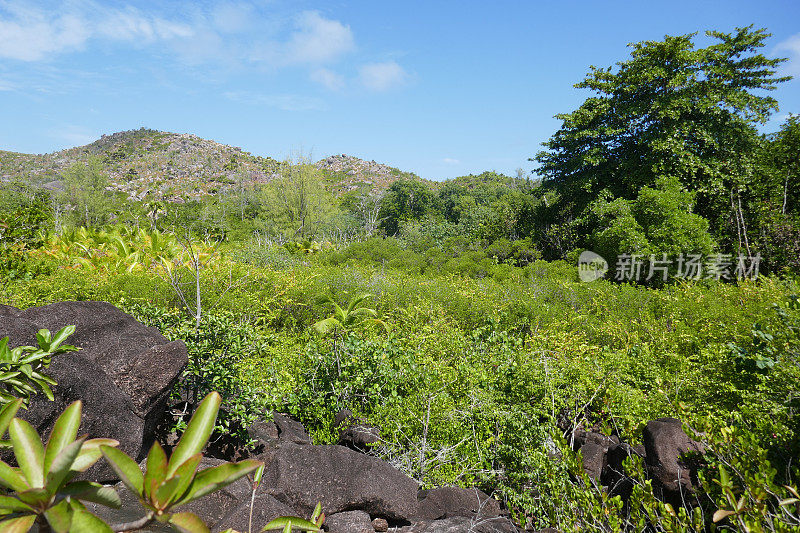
123,372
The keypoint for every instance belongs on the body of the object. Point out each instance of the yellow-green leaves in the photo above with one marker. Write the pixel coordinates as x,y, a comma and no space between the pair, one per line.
41,483
28,450
287,523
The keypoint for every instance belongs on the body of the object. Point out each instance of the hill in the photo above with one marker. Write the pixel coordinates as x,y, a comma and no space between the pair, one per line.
179,166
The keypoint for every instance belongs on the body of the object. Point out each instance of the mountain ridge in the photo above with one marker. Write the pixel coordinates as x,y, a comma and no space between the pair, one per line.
178,167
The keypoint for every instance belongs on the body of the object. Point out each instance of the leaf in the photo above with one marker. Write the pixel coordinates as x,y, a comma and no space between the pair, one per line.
11,478
35,497
212,479
61,336
283,522
20,524
90,453
188,523
7,413
62,466
14,505
789,501
165,492
28,450
720,514
197,432
86,522
126,468
156,469
65,430
59,517
93,492
186,473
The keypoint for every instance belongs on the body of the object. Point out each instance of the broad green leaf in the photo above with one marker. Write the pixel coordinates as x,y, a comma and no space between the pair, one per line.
59,517
65,431
93,492
188,523
20,524
61,336
126,468
292,522
156,469
61,468
43,339
212,479
28,450
186,474
35,497
165,492
86,522
197,432
11,478
7,413
14,505
90,453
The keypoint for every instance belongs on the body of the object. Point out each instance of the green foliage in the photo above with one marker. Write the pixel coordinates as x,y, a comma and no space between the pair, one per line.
42,486
175,481
22,368
405,200
344,319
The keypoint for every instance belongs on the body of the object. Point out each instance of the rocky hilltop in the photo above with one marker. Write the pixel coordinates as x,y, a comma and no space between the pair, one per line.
156,165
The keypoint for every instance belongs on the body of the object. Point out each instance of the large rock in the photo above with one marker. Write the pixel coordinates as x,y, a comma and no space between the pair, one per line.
666,447
354,432
342,480
447,502
349,522
462,524
123,373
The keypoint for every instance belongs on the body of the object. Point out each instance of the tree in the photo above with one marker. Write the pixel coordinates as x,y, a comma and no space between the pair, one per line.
297,197
85,186
671,110
405,200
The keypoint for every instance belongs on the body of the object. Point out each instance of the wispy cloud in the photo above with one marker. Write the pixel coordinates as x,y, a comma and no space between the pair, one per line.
284,102
451,161
318,40
791,48
33,34
382,76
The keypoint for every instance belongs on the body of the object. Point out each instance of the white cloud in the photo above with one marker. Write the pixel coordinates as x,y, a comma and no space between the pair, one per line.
451,161
6,86
382,76
328,78
30,34
318,40
791,48
284,102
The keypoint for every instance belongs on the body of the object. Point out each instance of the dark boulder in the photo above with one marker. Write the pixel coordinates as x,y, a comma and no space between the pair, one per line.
349,522
462,524
342,480
446,502
668,452
265,509
123,373
354,432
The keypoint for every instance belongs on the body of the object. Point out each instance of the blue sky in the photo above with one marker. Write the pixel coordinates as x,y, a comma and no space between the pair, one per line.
440,88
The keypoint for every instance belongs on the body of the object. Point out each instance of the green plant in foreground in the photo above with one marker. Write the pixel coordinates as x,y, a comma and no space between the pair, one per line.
343,319
175,481
43,490
21,368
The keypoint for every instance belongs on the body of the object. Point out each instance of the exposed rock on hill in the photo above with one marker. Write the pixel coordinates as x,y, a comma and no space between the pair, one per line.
154,165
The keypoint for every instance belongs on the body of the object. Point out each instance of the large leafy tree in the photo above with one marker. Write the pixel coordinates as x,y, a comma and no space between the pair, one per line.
672,110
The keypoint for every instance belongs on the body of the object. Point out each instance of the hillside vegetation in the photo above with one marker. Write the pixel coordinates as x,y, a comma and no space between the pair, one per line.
453,315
